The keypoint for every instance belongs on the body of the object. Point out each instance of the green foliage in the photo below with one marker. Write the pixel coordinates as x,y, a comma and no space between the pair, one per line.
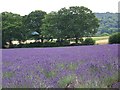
33,22
60,66
50,44
62,42
110,80
105,34
94,69
115,38
89,41
40,44
68,23
50,74
35,44
11,27
72,66
8,74
62,83
74,22
16,27
108,23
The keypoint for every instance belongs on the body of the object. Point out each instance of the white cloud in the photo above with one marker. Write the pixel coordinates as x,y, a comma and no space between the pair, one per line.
26,6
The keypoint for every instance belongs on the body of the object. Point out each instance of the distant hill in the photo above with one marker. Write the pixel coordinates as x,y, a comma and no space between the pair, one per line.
108,23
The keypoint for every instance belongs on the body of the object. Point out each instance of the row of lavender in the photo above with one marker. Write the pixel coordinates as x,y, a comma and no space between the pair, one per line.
78,66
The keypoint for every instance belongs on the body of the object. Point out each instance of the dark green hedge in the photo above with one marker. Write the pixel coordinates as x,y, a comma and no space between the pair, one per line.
89,41
115,38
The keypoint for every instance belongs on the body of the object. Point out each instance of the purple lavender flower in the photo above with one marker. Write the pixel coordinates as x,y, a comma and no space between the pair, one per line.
94,66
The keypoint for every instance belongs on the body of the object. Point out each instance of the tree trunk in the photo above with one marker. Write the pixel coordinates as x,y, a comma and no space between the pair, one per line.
42,39
76,40
59,41
20,41
10,42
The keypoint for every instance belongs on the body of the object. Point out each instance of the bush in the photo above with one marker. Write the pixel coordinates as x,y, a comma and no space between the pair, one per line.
50,44
115,38
105,34
63,42
19,46
40,44
35,44
89,41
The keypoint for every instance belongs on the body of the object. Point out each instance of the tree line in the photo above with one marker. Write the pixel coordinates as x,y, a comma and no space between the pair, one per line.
74,22
108,23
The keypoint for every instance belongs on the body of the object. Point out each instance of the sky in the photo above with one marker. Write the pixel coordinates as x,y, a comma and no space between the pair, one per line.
24,7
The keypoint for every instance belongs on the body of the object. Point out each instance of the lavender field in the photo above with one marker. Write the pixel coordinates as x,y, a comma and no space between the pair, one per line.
78,66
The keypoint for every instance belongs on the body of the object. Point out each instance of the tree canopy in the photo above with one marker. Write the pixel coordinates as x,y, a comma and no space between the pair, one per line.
11,27
65,24
33,22
74,22
108,23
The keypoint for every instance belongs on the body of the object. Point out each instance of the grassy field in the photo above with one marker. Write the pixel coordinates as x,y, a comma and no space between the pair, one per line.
101,40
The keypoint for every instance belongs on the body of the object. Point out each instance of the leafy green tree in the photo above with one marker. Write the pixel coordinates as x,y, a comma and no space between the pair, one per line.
50,26
74,22
80,22
33,21
11,27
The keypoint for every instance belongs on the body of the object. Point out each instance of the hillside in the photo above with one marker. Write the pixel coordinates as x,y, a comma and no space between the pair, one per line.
108,23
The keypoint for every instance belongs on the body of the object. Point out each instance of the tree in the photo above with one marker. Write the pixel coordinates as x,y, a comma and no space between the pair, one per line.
80,22
49,27
108,23
11,27
74,22
33,21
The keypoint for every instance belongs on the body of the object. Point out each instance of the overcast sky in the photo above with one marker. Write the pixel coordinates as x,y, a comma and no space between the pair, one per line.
24,7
